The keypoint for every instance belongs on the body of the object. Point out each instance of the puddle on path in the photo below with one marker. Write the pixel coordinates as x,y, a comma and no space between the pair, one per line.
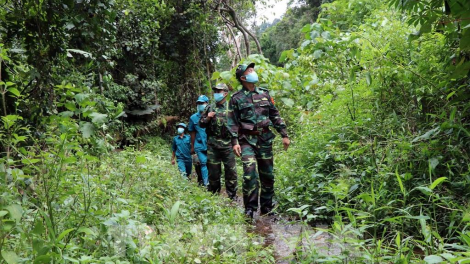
287,237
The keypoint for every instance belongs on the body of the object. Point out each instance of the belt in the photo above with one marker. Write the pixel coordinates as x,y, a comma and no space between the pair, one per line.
254,132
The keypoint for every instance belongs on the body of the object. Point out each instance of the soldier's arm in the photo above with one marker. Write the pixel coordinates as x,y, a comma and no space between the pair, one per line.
205,120
232,120
192,132
276,119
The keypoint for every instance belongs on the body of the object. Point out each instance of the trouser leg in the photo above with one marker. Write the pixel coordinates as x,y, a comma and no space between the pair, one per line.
214,166
202,155
250,177
189,167
197,168
228,158
266,177
182,166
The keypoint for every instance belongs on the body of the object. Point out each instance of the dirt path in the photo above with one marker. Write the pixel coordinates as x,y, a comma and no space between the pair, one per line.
289,238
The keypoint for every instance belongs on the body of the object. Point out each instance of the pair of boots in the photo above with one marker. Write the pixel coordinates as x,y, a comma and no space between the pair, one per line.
264,211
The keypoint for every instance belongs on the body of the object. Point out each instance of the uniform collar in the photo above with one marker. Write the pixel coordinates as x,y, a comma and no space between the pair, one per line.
246,91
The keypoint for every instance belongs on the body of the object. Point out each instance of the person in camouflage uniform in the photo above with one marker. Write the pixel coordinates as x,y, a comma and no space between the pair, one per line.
219,146
251,113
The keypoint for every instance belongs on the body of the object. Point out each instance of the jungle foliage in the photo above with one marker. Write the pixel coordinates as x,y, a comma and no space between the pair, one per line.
377,99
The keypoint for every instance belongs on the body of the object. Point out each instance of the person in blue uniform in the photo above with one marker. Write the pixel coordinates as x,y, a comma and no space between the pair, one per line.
182,151
199,137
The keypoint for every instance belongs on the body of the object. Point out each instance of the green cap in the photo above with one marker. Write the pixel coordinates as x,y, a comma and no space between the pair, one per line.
220,86
242,68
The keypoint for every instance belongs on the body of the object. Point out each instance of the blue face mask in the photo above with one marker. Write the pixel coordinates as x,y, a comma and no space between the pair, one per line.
180,130
200,108
252,77
219,97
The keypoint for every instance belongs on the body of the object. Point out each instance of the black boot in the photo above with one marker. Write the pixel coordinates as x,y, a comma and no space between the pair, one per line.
267,211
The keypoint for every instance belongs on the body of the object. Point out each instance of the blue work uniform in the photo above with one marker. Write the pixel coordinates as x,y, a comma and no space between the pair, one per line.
182,148
200,145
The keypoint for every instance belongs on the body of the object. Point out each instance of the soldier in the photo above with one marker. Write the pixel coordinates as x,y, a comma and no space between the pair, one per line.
251,113
181,150
199,137
219,146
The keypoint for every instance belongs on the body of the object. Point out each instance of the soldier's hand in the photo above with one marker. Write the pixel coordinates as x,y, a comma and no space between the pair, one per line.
286,143
172,161
211,114
237,150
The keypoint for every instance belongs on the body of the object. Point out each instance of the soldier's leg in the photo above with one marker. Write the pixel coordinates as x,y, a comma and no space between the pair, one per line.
266,176
250,177
214,166
197,168
181,166
230,168
189,167
202,155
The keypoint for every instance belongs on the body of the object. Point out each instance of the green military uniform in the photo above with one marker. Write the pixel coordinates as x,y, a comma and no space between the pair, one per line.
251,113
219,148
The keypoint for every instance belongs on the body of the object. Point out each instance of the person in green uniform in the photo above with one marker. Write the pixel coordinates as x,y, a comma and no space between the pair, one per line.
219,146
251,114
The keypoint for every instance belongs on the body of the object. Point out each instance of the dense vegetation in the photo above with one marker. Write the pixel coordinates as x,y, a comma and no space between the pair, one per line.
376,96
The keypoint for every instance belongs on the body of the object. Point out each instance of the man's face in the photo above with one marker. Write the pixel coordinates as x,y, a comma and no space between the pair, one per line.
248,71
201,103
220,91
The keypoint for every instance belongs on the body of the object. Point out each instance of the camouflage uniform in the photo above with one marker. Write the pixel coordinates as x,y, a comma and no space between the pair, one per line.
249,118
219,150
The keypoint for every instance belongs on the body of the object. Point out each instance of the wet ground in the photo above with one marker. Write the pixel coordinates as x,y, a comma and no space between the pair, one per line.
290,239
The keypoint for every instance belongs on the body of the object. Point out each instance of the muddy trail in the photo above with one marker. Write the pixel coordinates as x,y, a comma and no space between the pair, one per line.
289,238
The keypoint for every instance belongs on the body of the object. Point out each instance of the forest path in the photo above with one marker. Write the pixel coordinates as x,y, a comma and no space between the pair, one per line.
289,238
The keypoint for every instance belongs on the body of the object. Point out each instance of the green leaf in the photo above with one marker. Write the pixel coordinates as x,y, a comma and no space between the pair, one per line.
317,54
465,41
64,233
283,56
16,211
38,227
174,211
86,230
10,257
368,79
326,35
433,259
215,75
437,182
287,101
400,183
70,106
87,129
3,213
43,259
98,118
433,162
14,91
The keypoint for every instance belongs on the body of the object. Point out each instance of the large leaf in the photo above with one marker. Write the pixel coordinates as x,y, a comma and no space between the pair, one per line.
10,257
174,212
99,118
87,129
16,211
433,259
287,101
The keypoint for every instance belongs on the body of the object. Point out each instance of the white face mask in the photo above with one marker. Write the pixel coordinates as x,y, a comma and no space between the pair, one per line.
180,130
